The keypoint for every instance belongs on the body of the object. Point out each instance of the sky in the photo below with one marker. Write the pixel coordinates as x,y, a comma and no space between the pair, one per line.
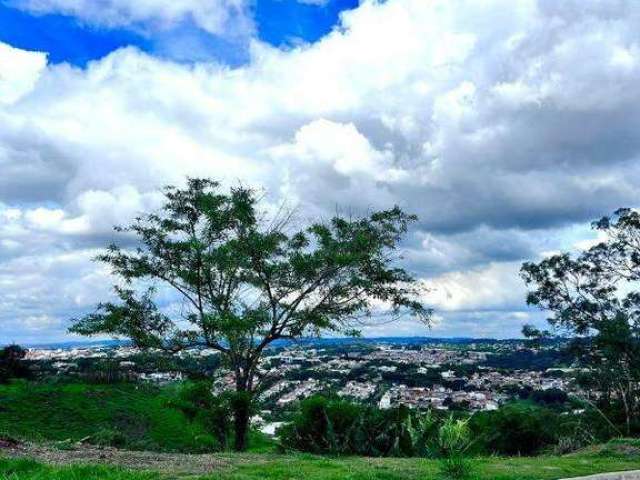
507,127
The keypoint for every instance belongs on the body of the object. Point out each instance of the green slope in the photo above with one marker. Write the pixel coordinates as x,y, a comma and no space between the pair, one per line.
126,415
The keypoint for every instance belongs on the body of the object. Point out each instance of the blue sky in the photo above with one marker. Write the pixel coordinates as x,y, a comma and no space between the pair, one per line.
66,38
506,127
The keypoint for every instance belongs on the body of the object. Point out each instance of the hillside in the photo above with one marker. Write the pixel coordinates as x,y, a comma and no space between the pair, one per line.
132,416
59,427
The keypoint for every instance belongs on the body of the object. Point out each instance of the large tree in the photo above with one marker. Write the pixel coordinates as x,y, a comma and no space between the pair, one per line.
594,295
247,280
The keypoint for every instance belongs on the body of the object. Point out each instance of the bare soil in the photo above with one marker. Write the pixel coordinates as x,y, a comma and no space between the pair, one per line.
64,453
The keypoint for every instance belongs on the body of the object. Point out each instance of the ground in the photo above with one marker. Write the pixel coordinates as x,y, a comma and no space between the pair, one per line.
56,462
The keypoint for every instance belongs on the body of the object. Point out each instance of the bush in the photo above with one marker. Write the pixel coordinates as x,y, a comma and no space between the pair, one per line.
11,365
106,437
550,397
516,429
336,426
198,403
454,438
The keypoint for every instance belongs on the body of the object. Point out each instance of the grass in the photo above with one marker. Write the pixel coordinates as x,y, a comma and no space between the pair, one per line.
145,419
30,470
493,468
615,456
132,416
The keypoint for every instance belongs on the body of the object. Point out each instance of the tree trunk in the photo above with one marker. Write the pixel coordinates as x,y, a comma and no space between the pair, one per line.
241,414
241,405
627,412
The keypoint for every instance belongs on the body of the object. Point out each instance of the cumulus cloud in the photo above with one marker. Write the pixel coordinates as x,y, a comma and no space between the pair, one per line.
20,70
214,16
502,125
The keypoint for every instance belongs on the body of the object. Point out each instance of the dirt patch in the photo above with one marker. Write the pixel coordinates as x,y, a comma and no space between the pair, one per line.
8,442
174,463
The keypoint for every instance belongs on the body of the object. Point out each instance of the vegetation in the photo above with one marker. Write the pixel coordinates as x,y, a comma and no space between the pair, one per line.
594,296
336,426
247,282
619,455
11,365
454,438
138,417
341,427
25,469
188,418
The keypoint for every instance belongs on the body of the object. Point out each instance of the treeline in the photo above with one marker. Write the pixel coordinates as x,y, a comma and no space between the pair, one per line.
108,370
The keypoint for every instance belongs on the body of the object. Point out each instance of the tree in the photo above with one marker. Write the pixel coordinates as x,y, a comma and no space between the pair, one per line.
11,365
247,280
535,337
594,295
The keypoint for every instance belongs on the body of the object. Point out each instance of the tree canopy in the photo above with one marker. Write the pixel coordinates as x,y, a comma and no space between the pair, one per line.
247,279
595,296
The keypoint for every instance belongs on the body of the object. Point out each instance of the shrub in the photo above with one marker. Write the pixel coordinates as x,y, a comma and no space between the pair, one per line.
107,437
11,365
336,426
197,402
454,438
516,429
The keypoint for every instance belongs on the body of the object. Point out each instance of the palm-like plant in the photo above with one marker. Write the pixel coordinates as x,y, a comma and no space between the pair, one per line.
454,438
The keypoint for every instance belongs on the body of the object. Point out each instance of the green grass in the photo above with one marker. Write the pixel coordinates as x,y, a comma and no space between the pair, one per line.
134,416
615,456
30,470
299,467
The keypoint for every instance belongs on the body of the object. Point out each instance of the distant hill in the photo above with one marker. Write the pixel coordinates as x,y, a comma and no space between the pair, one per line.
318,342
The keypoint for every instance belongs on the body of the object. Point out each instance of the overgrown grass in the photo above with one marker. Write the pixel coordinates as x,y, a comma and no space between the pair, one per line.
132,416
30,470
621,455
300,467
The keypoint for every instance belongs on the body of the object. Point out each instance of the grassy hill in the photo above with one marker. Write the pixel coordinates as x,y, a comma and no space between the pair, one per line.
132,416
141,417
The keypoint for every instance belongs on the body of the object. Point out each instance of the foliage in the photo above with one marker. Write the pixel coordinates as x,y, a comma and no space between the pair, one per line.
549,398
526,428
341,427
612,457
454,438
515,429
136,417
530,360
594,295
11,363
197,402
247,281
536,337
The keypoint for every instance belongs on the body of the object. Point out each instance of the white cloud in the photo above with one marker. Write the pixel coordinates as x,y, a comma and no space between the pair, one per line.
319,3
493,287
500,124
19,71
229,17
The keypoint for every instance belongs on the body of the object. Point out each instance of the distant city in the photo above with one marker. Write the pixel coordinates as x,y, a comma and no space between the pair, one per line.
416,372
